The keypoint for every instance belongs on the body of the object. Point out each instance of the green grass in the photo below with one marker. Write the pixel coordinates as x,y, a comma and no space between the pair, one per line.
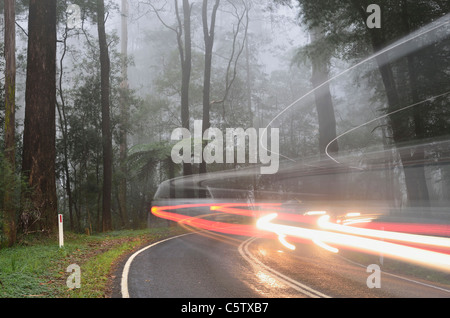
38,269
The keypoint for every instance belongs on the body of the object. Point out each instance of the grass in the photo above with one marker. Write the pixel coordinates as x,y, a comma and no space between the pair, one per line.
38,268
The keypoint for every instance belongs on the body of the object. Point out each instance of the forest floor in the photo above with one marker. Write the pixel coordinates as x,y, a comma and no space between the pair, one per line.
39,268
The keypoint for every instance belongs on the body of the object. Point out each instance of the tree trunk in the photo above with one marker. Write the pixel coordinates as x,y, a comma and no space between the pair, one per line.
186,68
64,128
413,169
422,195
106,121
124,117
324,103
40,129
415,181
9,224
249,82
208,36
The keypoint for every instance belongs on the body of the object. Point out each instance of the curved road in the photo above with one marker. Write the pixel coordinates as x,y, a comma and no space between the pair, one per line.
211,265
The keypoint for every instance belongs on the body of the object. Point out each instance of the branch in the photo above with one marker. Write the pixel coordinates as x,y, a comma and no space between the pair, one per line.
228,82
156,11
22,28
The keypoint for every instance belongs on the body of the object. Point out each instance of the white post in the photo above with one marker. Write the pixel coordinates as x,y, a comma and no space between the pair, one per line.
61,234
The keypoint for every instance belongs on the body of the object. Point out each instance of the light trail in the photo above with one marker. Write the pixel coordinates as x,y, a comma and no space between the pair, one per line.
425,229
324,223
378,118
197,222
282,239
326,246
440,23
424,257
426,250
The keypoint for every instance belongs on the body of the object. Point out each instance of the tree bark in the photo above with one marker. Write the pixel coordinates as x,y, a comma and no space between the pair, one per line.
124,116
421,196
39,128
208,36
64,128
10,120
105,66
324,102
186,68
412,162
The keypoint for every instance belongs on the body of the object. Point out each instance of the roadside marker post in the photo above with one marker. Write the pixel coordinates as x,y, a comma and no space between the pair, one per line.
61,234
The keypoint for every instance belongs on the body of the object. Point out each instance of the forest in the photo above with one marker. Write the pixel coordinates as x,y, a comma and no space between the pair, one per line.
93,89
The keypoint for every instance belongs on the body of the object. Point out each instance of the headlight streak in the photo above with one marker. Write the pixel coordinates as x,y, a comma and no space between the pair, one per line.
315,213
424,229
326,246
197,222
282,239
324,223
424,257
352,214
343,236
357,221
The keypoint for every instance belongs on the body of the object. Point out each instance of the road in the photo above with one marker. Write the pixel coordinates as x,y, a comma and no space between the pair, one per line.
211,265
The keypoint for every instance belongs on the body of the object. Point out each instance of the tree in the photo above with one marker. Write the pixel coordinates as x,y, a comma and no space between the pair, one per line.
38,162
106,120
10,119
345,23
124,109
185,51
208,36
61,108
324,103
184,46
415,180
232,64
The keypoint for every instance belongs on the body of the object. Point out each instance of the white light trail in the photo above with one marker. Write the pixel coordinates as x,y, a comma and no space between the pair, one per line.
324,223
282,239
424,257
326,246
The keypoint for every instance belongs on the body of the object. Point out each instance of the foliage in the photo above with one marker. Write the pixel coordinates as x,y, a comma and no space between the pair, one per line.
143,159
257,96
37,267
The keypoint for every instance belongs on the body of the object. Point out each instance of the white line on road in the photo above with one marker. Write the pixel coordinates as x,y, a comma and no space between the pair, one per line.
126,269
396,276
302,288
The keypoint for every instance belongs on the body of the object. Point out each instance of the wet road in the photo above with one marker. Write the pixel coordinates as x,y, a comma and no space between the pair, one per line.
211,265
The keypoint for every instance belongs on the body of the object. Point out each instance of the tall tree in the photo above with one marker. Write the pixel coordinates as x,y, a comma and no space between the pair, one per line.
346,24
63,123
39,135
208,36
324,103
184,45
415,179
10,119
105,66
123,115
185,50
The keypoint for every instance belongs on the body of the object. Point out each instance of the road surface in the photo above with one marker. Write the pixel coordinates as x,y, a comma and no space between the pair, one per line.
211,265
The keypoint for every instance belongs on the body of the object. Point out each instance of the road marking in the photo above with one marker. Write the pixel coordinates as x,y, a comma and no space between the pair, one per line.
397,276
126,268
302,288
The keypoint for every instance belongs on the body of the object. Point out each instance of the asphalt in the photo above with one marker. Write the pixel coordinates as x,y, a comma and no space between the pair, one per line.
208,265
